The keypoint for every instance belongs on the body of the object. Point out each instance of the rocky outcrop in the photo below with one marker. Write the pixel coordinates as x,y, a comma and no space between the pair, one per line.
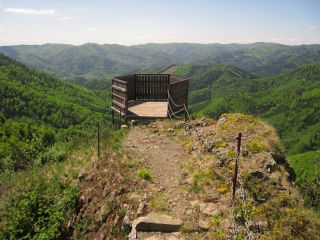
154,222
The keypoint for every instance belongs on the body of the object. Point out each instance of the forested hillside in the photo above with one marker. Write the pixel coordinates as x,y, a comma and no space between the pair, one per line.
288,101
95,62
40,114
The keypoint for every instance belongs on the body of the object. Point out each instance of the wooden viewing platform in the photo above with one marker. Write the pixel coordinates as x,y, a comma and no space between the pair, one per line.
149,96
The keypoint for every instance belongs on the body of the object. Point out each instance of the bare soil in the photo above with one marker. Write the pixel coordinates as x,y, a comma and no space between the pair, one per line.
164,158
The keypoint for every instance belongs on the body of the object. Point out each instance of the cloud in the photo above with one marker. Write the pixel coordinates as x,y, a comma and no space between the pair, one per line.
92,29
64,18
30,11
1,29
312,27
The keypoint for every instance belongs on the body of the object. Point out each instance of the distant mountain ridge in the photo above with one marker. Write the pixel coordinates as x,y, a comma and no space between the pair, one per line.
99,61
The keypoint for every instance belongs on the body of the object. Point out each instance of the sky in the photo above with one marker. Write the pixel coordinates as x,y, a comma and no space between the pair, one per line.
131,22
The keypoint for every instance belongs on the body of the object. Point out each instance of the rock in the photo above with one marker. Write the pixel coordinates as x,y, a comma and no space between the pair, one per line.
153,238
170,237
106,191
208,208
82,176
170,130
142,206
126,224
270,164
154,222
207,145
120,191
258,226
257,174
103,213
212,197
115,221
133,123
203,225
245,152
124,126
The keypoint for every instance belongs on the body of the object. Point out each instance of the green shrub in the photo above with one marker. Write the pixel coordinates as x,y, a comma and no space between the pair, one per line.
255,146
144,173
39,211
159,202
56,153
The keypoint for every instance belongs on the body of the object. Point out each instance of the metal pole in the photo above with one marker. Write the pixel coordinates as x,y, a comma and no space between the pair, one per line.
120,118
98,140
235,176
112,117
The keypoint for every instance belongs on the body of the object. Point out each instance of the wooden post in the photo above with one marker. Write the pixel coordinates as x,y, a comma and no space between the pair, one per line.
98,140
236,167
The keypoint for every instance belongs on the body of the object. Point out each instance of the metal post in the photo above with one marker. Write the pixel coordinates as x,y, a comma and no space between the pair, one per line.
120,118
235,176
112,117
98,140
239,143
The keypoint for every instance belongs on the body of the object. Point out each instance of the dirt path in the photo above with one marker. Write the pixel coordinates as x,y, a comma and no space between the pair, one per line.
170,70
164,158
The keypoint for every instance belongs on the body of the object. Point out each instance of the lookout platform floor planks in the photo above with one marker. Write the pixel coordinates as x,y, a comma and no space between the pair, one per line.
148,109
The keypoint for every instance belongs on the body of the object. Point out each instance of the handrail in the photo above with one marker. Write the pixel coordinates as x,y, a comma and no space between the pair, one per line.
152,87
119,80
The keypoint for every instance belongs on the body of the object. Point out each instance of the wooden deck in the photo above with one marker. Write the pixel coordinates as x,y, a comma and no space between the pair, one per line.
148,109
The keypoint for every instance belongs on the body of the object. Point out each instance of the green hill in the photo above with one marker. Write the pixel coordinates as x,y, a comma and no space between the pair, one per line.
40,114
96,62
288,101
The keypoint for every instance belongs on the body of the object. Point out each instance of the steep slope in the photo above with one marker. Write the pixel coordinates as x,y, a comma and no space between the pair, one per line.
39,112
170,172
206,79
184,175
100,61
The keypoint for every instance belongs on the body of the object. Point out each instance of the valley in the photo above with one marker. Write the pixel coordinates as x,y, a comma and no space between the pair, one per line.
48,139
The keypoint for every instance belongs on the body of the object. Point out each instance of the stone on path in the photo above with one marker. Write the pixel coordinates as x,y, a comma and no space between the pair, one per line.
154,222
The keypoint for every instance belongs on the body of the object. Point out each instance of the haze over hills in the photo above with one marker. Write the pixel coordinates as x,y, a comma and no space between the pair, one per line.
101,61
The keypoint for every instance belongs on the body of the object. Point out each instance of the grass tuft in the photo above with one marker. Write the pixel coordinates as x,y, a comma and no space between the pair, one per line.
144,173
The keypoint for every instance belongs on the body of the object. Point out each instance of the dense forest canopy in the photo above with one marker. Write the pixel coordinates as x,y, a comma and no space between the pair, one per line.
39,112
288,101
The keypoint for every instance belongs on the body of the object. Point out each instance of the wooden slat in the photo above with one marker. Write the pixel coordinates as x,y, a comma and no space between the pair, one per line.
113,94
119,88
118,104
117,110
119,80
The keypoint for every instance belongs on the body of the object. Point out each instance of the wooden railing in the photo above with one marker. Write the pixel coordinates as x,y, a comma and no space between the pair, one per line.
178,92
153,87
119,96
